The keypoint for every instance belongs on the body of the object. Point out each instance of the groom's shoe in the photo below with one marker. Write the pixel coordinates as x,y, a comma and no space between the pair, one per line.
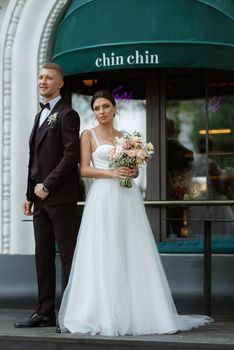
37,320
58,330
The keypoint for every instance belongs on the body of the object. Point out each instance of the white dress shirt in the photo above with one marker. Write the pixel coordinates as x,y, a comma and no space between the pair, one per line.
46,112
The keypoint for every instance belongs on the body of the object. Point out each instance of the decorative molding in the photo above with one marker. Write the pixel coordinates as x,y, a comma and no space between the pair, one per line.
6,124
45,51
14,14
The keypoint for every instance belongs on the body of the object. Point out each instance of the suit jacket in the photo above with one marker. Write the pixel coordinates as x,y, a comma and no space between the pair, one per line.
58,153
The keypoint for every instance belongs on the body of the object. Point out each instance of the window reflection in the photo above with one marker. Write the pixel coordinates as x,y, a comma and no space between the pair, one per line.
179,164
205,129
182,184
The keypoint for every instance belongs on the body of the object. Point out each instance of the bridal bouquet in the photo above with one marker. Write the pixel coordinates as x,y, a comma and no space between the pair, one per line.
130,151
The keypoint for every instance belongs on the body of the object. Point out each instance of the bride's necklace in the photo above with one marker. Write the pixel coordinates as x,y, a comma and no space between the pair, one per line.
108,137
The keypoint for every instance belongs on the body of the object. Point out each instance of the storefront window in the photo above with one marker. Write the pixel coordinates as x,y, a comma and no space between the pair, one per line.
200,147
184,105
189,116
214,159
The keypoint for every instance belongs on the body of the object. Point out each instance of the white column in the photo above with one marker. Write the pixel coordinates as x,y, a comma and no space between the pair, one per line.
28,26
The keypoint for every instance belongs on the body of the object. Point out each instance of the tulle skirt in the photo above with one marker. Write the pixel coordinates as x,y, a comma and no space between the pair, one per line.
117,284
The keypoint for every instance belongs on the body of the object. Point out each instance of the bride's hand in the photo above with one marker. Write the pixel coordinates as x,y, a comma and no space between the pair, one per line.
134,172
122,172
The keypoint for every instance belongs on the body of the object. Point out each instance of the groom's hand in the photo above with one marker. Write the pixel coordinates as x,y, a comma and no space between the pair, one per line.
27,208
40,192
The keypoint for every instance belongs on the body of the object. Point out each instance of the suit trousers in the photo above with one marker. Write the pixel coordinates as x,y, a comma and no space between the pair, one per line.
57,224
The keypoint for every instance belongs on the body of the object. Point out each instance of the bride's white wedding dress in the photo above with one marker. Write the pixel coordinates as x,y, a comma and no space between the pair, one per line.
117,284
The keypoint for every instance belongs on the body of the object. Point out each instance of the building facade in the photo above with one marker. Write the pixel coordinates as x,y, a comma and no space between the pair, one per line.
170,67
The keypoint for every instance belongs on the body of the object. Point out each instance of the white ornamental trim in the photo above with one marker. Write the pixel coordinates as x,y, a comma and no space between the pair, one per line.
6,125
45,50
44,54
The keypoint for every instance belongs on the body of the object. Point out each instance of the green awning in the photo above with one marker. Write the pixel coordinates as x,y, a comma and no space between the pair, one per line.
101,35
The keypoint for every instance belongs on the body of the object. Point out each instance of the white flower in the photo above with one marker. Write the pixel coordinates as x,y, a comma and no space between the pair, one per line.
52,119
150,148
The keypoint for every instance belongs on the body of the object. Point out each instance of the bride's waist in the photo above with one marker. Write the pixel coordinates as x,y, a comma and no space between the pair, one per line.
107,179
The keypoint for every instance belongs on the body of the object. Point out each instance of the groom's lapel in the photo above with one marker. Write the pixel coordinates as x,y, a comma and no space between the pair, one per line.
34,129
57,108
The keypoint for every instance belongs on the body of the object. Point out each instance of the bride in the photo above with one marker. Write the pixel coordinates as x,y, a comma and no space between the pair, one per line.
117,284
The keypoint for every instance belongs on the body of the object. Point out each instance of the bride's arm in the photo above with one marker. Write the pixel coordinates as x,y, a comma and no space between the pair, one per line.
86,170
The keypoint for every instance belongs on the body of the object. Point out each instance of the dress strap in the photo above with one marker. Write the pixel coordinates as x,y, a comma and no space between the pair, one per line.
94,136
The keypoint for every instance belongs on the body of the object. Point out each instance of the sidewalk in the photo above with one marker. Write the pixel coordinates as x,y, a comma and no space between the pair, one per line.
218,335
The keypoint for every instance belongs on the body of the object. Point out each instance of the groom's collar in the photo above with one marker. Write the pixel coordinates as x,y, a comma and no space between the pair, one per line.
53,102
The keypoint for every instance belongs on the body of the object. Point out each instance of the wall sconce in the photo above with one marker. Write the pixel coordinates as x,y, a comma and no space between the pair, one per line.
89,82
215,131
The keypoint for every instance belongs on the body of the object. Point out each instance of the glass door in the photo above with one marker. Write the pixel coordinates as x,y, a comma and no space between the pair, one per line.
199,148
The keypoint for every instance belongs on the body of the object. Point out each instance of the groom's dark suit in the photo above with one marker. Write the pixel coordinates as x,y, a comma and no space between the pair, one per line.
54,157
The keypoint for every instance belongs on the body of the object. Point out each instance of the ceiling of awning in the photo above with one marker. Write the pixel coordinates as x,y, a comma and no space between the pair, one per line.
101,35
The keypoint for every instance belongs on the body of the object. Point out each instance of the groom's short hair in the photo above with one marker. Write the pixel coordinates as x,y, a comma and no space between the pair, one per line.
51,65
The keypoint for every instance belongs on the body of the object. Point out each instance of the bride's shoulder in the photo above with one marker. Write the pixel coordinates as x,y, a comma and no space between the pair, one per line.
86,133
121,132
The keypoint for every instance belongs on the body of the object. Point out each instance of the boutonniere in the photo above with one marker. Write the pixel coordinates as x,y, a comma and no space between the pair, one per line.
52,120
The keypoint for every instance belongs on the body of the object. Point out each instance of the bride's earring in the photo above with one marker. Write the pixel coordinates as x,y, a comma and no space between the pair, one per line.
95,123
116,121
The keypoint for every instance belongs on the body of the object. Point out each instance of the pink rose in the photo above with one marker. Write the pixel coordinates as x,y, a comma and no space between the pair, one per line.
141,154
131,153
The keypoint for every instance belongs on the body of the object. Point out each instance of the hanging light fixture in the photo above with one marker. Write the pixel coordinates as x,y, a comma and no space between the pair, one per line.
215,131
89,82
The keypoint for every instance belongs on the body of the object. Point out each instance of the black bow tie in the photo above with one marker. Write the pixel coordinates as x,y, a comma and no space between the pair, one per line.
46,105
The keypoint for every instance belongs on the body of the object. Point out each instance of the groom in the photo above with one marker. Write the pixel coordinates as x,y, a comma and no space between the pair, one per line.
52,190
